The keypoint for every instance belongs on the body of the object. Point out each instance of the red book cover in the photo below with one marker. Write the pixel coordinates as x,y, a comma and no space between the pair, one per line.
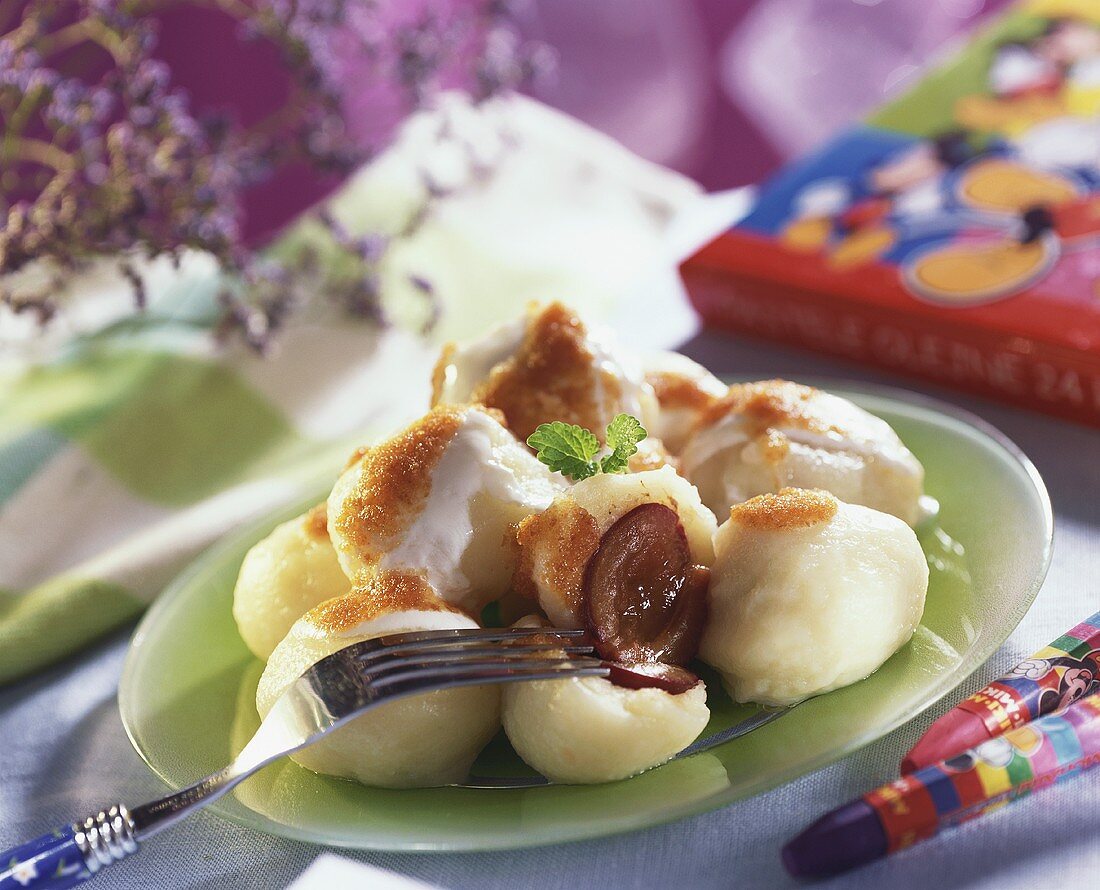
955,235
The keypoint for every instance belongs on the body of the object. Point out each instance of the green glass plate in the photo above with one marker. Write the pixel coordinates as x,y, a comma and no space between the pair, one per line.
188,686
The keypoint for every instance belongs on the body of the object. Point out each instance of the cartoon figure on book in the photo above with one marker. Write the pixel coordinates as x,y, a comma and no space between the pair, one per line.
1051,75
980,210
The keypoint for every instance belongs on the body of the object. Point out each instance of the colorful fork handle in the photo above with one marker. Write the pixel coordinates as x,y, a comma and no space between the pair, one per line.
70,855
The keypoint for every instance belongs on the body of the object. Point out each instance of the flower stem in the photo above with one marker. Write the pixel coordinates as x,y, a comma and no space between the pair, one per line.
87,29
37,151
17,122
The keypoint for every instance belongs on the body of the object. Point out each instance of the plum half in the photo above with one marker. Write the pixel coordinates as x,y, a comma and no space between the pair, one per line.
645,599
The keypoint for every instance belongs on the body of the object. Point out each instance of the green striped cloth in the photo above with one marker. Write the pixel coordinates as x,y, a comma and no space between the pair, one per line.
135,447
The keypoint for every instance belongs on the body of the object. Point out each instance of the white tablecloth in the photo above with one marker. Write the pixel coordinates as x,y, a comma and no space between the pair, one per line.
63,752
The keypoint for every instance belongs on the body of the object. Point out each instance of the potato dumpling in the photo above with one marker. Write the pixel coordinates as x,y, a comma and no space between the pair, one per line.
549,365
684,390
420,741
284,576
766,436
585,730
556,545
651,455
441,499
809,594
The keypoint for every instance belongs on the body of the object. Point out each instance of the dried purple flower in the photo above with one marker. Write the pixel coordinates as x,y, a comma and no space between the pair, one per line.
111,159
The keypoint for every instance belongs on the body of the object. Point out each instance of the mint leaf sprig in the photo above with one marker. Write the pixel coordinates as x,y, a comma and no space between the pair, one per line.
572,450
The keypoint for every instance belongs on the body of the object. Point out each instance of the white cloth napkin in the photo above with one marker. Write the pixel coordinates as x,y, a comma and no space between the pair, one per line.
126,449
331,872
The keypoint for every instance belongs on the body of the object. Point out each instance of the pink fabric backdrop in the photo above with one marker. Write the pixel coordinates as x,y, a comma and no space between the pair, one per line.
722,90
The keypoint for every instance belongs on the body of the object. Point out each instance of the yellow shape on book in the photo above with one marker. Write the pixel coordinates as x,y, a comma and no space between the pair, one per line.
862,246
963,272
807,234
1055,9
1011,117
997,184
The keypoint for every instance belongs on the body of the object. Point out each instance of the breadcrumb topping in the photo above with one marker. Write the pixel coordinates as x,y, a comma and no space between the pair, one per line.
791,508
380,595
569,535
395,479
552,376
315,522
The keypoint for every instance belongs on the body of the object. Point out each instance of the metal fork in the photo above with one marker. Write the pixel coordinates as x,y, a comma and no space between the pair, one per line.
333,691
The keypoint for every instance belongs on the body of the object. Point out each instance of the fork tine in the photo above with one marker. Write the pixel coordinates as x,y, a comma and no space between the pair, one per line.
361,676
384,661
416,680
422,639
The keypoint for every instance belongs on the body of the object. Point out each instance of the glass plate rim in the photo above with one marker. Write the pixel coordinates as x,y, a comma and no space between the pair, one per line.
674,812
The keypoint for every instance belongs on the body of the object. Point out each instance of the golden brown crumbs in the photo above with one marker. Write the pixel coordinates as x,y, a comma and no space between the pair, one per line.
791,508
552,376
439,372
394,480
679,391
315,522
776,446
771,403
568,535
356,456
651,455
379,595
